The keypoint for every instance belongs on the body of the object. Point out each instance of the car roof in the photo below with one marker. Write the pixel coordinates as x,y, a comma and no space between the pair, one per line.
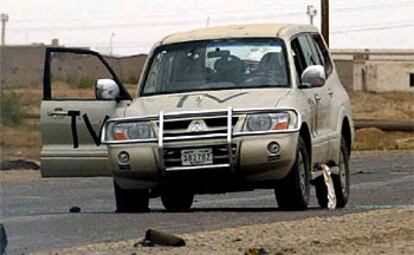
238,31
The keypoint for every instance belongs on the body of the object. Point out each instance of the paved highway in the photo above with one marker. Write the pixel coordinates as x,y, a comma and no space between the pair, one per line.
36,213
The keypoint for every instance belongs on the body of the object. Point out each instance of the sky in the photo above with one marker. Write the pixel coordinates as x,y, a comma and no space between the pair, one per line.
135,25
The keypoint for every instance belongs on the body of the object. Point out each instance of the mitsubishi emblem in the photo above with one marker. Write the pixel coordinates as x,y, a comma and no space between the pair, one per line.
197,126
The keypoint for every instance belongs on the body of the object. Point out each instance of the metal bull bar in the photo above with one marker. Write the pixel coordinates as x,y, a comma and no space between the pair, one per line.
229,135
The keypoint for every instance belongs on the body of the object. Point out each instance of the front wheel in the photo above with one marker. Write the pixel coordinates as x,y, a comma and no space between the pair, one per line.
176,199
292,193
341,181
131,200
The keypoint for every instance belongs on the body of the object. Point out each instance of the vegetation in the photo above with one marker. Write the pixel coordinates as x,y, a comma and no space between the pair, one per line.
85,83
10,108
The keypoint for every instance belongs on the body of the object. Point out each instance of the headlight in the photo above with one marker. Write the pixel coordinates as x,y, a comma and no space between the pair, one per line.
266,122
128,131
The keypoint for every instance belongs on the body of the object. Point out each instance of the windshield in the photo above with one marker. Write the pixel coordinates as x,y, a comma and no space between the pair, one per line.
222,64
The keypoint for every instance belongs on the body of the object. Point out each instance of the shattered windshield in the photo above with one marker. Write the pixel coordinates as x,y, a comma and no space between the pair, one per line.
222,64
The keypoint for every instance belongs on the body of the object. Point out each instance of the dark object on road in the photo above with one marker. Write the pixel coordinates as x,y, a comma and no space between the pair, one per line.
75,209
362,172
3,240
154,237
19,164
256,251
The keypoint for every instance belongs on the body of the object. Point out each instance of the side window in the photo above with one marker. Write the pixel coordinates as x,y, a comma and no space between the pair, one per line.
323,52
300,63
308,53
73,76
317,58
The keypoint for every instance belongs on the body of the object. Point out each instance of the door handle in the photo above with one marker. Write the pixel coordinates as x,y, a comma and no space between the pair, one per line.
317,97
57,112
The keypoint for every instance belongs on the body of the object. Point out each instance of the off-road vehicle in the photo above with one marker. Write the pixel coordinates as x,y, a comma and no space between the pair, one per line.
217,110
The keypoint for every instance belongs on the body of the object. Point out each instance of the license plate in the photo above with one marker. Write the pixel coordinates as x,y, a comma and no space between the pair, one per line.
197,157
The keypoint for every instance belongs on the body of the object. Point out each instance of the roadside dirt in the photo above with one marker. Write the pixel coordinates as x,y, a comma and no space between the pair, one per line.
388,105
375,232
19,176
376,139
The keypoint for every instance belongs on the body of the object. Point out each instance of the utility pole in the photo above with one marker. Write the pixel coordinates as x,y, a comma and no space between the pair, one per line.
325,20
4,19
311,12
111,44
208,21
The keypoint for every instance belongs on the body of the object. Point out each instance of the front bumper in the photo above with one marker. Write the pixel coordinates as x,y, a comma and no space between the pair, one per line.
243,154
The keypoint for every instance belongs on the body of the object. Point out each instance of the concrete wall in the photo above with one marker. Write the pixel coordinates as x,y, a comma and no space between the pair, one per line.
389,76
23,66
345,70
375,70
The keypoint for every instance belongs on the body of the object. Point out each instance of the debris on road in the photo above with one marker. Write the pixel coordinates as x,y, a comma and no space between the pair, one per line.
155,237
379,232
3,240
256,251
75,209
362,172
330,186
19,164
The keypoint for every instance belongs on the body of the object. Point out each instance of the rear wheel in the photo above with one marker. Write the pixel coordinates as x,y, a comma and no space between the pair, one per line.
292,193
131,200
175,199
341,181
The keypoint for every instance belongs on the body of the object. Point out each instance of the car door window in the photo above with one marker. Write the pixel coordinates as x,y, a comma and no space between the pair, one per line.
73,76
322,52
308,53
316,56
300,63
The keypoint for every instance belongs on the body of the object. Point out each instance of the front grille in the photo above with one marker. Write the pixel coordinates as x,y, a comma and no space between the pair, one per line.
211,125
172,156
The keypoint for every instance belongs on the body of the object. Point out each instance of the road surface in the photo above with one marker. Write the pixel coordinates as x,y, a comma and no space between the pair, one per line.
36,213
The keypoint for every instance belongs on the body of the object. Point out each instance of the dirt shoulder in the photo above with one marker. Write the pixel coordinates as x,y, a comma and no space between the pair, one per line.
19,176
383,231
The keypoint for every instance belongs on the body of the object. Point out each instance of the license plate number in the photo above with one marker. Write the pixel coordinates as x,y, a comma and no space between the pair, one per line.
196,157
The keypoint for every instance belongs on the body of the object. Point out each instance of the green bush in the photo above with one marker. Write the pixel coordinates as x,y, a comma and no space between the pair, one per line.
11,112
85,83
131,80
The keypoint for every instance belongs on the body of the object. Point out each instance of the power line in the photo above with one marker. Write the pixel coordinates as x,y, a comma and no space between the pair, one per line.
144,19
377,28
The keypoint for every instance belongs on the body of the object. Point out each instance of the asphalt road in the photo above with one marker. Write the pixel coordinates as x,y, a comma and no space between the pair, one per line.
36,217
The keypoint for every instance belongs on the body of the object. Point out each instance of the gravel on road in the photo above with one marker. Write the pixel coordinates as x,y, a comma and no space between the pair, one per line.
388,231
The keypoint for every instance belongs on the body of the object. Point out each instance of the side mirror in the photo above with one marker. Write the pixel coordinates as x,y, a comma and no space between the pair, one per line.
313,76
106,89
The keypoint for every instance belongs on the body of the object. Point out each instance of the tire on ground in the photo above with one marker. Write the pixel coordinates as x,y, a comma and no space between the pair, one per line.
290,193
131,200
341,190
176,199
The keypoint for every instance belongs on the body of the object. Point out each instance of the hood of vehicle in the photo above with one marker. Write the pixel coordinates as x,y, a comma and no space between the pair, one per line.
206,100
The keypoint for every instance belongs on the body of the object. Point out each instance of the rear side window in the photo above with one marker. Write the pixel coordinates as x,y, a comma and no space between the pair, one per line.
322,51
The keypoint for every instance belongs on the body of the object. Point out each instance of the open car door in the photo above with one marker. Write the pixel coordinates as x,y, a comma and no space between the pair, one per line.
80,92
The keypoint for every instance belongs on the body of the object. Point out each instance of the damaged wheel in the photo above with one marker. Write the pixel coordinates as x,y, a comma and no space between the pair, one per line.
340,181
292,193
131,200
